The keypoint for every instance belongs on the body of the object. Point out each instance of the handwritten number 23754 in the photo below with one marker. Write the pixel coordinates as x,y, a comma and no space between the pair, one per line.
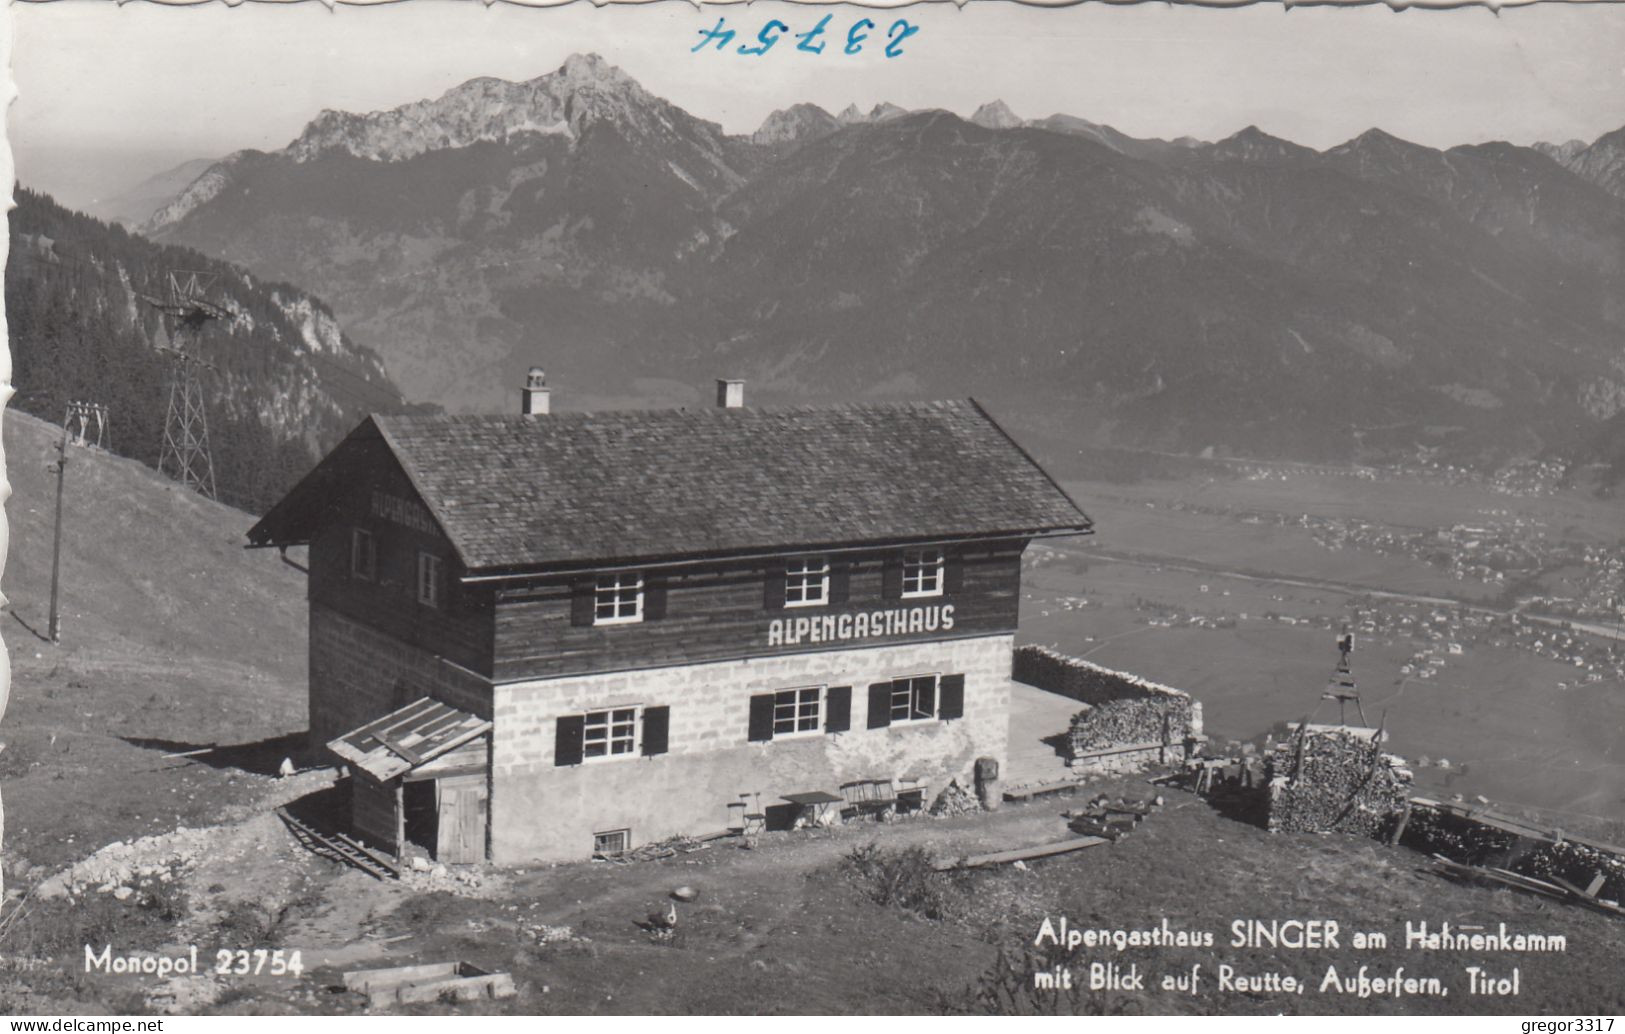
812,41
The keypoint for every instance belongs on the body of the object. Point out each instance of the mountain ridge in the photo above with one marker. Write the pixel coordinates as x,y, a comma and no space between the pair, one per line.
1248,293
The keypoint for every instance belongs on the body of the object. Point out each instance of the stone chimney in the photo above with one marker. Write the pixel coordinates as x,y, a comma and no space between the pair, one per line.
536,399
730,394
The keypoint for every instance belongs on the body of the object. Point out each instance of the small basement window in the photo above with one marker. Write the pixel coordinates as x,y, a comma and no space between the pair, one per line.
806,582
428,579
609,734
914,699
922,572
612,842
363,555
618,598
797,710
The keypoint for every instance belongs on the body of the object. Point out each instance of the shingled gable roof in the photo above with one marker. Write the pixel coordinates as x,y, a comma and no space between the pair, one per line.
515,492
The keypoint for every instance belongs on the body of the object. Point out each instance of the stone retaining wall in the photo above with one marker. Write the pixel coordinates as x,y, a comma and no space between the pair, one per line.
1130,724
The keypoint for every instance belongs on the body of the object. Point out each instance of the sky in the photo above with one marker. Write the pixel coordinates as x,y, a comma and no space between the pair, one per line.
107,95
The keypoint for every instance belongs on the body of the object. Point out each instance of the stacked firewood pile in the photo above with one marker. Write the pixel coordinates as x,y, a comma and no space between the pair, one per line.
1330,779
955,800
1577,863
1468,842
1111,818
1120,723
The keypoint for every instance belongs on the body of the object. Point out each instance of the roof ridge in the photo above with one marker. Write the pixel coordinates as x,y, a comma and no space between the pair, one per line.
509,490
521,419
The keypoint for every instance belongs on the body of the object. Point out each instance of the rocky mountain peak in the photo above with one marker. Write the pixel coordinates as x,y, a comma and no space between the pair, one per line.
879,113
1563,153
584,88
797,122
1253,144
996,115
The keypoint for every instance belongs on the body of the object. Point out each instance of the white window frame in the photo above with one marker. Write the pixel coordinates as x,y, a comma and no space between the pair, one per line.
599,837
618,587
429,567
802,574
798,711
363,543
925,568
911,703
610,727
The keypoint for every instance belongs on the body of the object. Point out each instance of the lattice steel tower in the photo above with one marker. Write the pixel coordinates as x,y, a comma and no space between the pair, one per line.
185,453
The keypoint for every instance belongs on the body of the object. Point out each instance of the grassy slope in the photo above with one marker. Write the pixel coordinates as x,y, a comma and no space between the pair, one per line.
780,930
173,636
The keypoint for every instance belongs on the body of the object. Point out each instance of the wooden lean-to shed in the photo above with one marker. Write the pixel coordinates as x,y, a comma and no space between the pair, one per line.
422,777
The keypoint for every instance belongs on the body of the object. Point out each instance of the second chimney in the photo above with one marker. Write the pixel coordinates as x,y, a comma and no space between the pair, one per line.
536,399
730,394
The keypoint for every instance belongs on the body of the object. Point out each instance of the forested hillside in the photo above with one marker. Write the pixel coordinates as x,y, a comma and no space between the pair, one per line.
286,382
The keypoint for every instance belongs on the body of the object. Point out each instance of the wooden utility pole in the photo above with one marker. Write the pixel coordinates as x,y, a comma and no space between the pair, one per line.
76,424
61,471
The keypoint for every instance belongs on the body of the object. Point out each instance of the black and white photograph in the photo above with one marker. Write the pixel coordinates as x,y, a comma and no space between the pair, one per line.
802,509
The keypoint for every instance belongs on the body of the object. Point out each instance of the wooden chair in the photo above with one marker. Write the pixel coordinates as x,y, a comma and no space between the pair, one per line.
911,796
855,795
755,821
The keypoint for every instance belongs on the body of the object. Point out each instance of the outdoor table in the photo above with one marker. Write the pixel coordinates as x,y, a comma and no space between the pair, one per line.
814,805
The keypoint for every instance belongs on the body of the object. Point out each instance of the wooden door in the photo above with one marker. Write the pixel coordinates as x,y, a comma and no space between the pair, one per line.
462,820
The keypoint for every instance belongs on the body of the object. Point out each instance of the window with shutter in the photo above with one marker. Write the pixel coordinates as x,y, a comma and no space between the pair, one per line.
840,581
761,718
922,573
773,587
838,709
567,740
654,598
797,711
951,697
891,578
618,598
656,730
582,595
880,705
363,555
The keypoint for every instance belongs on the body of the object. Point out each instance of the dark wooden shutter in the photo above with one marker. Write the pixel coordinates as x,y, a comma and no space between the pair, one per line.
840,581
583,594
567,740
654,597
880,705
951,697
773,587
761,718
656,726
953,573
838,709
891,578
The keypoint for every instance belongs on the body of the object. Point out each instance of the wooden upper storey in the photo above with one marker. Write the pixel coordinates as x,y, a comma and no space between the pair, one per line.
476,567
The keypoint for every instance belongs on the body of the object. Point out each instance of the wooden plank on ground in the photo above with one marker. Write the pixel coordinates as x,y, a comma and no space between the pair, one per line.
1021,854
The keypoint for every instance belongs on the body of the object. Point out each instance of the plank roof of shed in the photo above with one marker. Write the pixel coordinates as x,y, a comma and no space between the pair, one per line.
517,492
411,736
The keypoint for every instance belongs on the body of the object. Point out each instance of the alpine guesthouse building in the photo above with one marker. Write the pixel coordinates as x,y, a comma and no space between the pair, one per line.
540,636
